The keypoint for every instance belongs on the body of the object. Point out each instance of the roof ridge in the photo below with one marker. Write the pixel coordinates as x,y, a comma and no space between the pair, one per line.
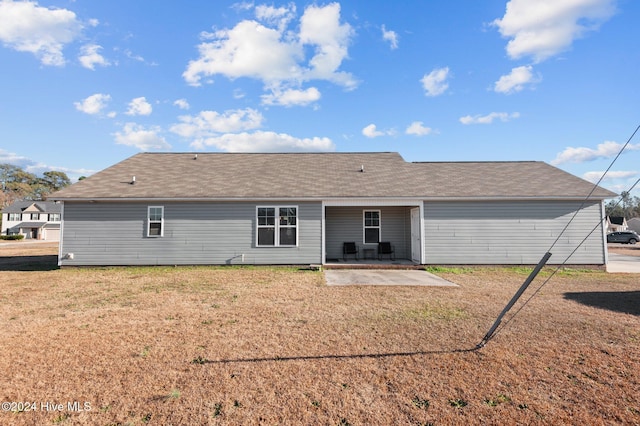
271,153
478,162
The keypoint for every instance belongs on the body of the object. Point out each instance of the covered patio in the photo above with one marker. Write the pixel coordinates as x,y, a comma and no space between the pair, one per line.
359,235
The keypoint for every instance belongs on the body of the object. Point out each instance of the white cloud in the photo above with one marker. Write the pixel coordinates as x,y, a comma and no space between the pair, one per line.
73,174
516,80
27,27
182,104
15,159
320,27
606,149
90,57
292,97
142,138
32,166
129,54
274,53
248,50
435,83
489,118
611,175
260,141
211,123
238,94
543,28
417,128
371,131
139,106
280,16
227,131
242,6
391,37
93,104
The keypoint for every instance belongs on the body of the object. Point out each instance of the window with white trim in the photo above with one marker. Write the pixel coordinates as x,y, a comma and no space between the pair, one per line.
155,221
35,216
15,217
371,219
277,226
54,217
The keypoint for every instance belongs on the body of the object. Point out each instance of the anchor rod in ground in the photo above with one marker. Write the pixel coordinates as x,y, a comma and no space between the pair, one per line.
514,299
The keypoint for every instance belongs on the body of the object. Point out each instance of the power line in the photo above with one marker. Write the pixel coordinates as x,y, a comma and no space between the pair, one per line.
595,186
494,330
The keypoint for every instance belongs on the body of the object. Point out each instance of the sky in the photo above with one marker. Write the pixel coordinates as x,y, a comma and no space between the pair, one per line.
87,84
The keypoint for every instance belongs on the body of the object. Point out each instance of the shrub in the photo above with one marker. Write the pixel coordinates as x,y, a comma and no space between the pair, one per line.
12,237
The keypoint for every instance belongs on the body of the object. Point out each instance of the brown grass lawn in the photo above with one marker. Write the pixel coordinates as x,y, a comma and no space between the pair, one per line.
274,346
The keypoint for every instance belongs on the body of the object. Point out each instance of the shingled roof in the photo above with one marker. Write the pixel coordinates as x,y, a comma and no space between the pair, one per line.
44,206
203,176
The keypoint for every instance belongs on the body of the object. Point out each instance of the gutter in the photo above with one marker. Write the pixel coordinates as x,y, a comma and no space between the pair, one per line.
326,199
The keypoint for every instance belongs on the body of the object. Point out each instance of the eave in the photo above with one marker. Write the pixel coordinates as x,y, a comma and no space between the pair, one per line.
327,200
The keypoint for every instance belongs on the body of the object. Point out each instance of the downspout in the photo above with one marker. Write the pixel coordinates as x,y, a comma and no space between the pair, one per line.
423,261
603,231
323,243
61,233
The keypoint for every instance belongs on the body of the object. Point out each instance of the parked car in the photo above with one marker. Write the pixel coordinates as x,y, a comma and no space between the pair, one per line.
627,237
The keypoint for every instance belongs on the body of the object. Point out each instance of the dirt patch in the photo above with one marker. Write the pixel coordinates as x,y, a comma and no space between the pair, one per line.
200,345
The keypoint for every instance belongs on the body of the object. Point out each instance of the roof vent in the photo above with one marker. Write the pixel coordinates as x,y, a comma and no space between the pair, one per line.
195,157
133,180
362,169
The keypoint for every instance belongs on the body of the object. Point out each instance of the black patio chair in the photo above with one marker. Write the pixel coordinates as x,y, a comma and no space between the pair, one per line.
349,248
385,248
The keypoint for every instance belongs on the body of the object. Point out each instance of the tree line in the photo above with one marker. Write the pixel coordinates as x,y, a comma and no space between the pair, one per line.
18,184
626,206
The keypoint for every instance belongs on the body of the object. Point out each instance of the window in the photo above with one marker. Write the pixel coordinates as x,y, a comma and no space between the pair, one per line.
280,230
155,221
288,226
371,226
35,216
15,217
266,226
54,217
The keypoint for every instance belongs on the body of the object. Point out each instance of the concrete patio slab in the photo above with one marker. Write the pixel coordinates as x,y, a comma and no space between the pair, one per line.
338,277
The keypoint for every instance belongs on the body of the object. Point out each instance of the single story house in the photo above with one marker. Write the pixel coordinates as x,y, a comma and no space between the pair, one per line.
300,208
37,220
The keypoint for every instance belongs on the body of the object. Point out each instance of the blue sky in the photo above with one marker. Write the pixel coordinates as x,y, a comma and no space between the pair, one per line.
86,84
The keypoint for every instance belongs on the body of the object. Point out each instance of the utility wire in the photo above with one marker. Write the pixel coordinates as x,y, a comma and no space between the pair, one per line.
490,336
595,186
557,269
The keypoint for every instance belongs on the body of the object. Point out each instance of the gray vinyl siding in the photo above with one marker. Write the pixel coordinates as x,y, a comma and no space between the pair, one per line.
511,232
344,224
194,233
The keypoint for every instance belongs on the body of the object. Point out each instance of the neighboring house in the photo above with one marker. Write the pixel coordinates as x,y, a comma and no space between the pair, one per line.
616,224
634,224
299,208
36,220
